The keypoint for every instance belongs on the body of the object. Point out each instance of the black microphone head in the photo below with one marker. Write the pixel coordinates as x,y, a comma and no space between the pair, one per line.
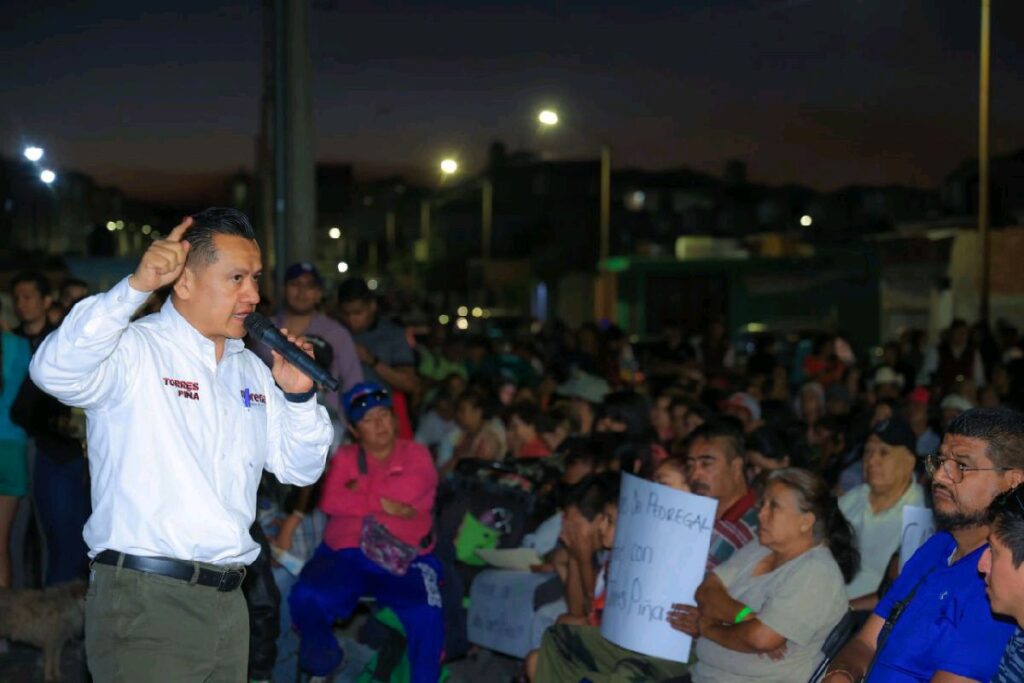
257,325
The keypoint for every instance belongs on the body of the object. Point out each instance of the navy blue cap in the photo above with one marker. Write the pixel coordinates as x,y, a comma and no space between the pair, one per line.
361,398
896,432
301,268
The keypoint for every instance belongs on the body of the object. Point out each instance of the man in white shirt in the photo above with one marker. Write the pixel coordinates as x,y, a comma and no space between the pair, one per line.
875,508
182,420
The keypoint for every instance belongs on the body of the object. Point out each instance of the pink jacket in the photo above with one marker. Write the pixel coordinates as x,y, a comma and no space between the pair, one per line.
407,476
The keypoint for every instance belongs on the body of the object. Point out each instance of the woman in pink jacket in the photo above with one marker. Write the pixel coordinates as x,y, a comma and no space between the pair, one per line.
378,494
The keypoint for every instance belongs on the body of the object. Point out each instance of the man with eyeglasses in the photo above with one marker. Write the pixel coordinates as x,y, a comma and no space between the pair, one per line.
935,623
1004,577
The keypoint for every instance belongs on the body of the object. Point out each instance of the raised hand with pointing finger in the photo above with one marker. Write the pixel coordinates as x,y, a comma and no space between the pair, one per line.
163,261
186,420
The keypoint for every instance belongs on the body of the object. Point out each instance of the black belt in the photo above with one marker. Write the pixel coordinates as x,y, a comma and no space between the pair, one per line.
226,580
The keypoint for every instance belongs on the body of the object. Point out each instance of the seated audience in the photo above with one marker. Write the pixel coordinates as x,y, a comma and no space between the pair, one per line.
935,623
716,469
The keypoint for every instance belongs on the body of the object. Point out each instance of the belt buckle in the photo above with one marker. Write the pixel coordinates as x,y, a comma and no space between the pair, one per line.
231,579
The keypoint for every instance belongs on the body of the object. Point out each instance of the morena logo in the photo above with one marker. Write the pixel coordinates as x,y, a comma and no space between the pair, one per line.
248,398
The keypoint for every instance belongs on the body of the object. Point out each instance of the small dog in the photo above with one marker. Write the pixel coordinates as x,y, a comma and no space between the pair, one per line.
46,618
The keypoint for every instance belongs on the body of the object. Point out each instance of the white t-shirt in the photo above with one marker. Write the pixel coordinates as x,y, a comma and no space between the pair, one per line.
877,536
802,601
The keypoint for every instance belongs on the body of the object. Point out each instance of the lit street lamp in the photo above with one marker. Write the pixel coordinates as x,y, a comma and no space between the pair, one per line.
33,153
449,166
548,117
47,176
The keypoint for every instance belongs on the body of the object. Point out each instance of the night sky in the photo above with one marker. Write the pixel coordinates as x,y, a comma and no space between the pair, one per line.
161,97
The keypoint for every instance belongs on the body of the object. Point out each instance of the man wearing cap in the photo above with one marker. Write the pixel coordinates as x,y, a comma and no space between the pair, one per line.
585,392
303,295
951,407
182,422
887,383
746,409
875,508
379,480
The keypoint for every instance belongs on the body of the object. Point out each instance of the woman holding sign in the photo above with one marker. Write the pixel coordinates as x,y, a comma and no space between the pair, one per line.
778,596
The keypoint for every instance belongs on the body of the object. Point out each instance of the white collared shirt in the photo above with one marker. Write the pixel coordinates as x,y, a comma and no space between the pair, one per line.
177,442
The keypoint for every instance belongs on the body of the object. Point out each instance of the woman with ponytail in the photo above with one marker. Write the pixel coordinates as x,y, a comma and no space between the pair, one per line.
765,613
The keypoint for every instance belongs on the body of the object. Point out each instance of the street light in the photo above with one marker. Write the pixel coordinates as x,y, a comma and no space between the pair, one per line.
806,221
548,117
449,166
334,233
47,176
33,153
342,267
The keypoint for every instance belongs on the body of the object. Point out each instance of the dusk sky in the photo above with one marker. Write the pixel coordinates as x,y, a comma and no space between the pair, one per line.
160,97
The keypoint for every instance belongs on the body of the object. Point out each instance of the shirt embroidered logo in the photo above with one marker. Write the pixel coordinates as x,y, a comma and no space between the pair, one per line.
248,398
186,389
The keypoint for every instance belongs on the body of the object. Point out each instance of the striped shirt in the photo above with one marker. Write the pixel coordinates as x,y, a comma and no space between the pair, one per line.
1011,666
733,530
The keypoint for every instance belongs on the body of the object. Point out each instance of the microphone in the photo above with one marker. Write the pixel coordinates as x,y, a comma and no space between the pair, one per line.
263,330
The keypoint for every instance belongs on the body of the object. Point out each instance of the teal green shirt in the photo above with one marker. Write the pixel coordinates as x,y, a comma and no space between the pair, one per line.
15,357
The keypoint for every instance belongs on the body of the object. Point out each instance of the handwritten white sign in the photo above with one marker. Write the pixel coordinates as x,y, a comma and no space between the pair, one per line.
918,527
501,614
661,547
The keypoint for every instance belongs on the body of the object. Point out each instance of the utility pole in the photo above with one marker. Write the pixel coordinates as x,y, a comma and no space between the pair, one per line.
286,136
983,183
487,218
606,203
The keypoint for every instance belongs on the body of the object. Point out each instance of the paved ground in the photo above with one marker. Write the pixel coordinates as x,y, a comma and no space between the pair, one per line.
24,664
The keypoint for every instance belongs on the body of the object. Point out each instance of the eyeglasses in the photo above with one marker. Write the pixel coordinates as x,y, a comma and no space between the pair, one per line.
953,469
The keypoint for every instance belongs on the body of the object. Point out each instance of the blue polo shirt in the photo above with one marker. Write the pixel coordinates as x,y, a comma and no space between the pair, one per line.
948,625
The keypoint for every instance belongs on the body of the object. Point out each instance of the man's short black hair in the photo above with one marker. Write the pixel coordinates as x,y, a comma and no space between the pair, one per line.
593,492
70,282
527,411
354,289
207,224
1002,430
1006,516
729,431
41,282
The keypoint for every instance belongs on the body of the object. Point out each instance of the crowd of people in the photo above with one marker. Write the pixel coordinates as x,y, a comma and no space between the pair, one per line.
447,444
811,453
